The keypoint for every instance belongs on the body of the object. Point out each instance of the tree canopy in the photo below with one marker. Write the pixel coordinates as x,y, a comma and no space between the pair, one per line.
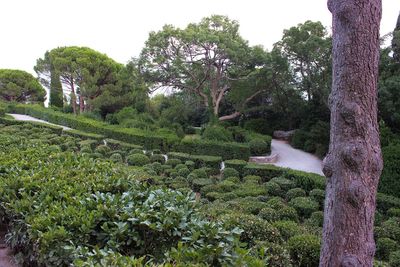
20,86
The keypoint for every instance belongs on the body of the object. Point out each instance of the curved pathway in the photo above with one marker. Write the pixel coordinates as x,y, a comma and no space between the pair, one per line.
296,159
20,117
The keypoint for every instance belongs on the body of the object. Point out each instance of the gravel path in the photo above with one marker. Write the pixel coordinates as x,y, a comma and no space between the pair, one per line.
296,159
20,117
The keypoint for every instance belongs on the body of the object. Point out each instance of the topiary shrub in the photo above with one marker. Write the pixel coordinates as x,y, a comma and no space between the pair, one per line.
116,157
318,195
157,158
102,149
250,190
252,179
304,206
385,246
235,180
55,148
135,151
394,259
284,183
96,155
200,173
217,133
137,160
254,228
173,162
304,250
236,164
273,189
248,205
259,147
394,212
184,172
284,213
391,229
229,172
295,192
198,183
190,164
316,219
288,229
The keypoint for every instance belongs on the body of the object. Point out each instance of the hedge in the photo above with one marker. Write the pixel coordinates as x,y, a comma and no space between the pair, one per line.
265,171
84,135
54,128
214,148
119,145
200,161
159,139
236,164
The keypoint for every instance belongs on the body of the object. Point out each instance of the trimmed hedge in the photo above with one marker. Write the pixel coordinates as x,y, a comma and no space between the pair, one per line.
236,164
200,161
265,171
214,148
159,139
119,145
84,135
54,128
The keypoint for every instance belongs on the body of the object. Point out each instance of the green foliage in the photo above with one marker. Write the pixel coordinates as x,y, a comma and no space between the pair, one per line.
217,133
157,158
304,250
273,189
102,149
214,148
116,157
258,125
304,206
384,247
236,164
295,192
137,160
284,183
230,172
288,229
20,86
198,183
394,258
390,179
259,147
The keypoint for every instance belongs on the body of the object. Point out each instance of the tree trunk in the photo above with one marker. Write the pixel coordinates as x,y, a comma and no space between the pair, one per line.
81,104
73,95
354,162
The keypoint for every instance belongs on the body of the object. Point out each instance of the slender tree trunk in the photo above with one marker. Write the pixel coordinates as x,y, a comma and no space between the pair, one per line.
354,162
73,96
81,104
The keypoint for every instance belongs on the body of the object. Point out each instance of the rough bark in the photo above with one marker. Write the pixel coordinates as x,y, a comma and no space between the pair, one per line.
354,162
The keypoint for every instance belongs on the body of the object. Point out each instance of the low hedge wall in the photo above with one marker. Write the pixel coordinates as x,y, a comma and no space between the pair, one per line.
265,171
214,148
160,139
55,129
119,145
236,164
84,135
200,161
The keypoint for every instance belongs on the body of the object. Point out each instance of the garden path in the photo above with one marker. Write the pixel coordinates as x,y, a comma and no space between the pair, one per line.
20,117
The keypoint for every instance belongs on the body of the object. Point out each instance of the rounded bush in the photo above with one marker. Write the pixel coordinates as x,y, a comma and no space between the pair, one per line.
102,149
284,183
198,183
86,149
137,160
304,250
184,172
316,219
318,195
190,164
394,259
304,206
385,246
391,229
394,212
200,173
55,148
235,180
96,155
295,192
259,147
116,157
157,158
288,229
273,189
276,254
156,152
135,151
252,179
230,172
173,162
217,133
284,213
157,167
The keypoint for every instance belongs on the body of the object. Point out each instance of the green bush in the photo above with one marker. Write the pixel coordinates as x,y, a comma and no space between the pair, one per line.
157,158
248,205
198,183
217,133
258,125
385,202
119,145
391,229
252,179
304,206
184,172
318,195
259,147
276,254
273,189
236,164
394,259
389,182
299,138
394,212
254,228
135,151
190,164
305,180
288,229
295,192
304,250
385,246
284,183
173,162
229,172
116,157
316,219
284,213
137,160
214,148
265,171
249,190
102,149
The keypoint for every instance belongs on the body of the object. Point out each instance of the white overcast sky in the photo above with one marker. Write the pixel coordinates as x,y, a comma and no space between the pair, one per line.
119,28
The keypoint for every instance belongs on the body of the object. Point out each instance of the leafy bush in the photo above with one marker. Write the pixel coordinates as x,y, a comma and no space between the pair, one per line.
304,206
304,250
265,171
258,125
295,192
288,229
102,149
249,190
259,147
229,172
173,162
385,246
217,133
116,157
394,212
254,228
276,254
273,189
390,178
391,229
316,219
394,259
137,160
318,195
236,164
157,158
252,179
284,183
305,180
198,183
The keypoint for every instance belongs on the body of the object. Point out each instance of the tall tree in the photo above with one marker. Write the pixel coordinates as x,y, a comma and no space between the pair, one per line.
396,41
20,86
203,59
354,162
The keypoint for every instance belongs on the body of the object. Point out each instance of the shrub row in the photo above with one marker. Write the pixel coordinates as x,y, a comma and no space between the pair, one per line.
200,161
161,139
55,129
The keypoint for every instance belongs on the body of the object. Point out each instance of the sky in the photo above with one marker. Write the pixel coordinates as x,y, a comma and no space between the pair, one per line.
119,28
